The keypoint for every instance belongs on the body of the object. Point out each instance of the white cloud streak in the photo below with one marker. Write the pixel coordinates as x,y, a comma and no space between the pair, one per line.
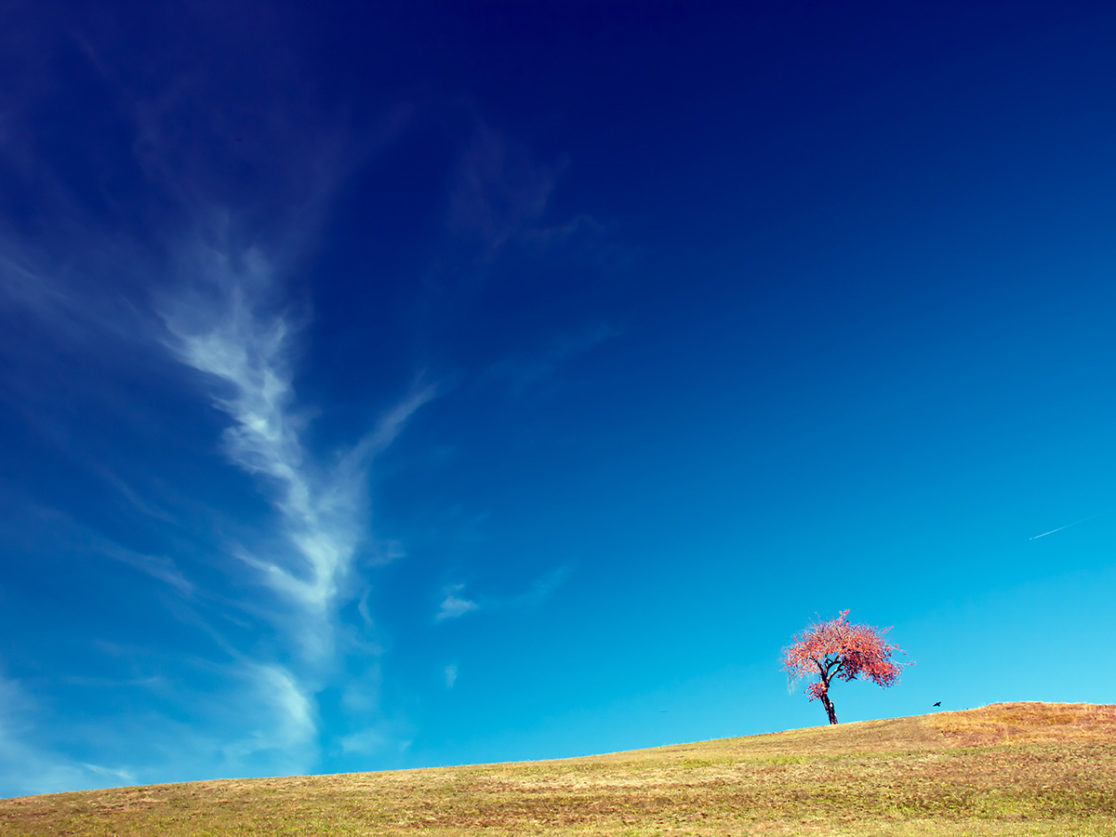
542,588
157,566
295,722
524,370
1045,534
500,191
227,327
26,768
270,721
230,330
1062,528
244,345
62,531
116,775
453,605
384,736
364,742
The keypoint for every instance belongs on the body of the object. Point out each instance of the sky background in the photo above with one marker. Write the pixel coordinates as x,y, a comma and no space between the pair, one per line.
398,385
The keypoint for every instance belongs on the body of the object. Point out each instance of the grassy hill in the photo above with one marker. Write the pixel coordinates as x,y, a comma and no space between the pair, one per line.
1005,769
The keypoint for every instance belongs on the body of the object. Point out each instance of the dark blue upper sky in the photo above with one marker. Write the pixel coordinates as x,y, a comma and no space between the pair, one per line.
434,383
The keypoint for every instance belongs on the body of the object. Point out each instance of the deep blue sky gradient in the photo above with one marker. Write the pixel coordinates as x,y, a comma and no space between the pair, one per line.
442,383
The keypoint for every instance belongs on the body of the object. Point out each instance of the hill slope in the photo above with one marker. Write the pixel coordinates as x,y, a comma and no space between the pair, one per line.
1005,769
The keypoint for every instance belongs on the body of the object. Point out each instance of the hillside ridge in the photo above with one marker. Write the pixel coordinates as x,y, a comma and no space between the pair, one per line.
1006,768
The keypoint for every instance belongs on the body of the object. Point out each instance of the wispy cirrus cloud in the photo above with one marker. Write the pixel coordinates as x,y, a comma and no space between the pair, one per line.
57,530
525,369
455,604
233,325
288,737
230,324
500,190
160,567
501,194
212,203
28,767
540,590
232,332
384,736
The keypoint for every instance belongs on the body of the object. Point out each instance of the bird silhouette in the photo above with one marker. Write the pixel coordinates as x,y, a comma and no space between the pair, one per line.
939,703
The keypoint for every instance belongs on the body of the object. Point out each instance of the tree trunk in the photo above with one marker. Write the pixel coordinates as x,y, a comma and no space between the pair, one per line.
823,669
829,710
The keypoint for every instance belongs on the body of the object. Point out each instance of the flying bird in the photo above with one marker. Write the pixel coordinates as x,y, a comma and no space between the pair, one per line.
939,703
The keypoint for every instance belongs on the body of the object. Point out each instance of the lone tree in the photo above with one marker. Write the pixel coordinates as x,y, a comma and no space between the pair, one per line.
838,649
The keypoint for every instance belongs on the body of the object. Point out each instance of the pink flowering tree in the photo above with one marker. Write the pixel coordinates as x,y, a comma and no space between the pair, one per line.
840,650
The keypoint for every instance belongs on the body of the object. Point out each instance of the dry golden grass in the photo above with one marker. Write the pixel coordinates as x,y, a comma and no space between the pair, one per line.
1005,769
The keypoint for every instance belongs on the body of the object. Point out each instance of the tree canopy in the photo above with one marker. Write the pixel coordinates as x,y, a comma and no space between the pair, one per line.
840,649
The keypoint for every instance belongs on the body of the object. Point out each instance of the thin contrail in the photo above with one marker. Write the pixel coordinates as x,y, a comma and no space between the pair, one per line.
1060,528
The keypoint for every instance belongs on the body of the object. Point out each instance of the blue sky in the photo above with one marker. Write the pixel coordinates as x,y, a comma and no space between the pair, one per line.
446,383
